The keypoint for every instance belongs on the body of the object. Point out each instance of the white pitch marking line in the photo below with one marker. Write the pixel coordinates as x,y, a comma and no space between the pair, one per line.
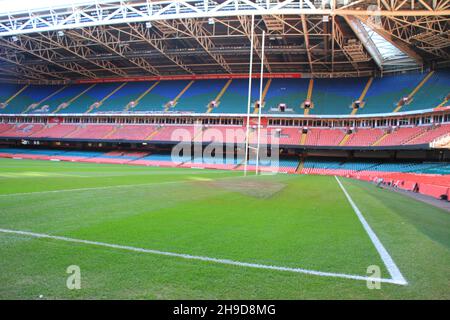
102,188
88,189
201,258
393,270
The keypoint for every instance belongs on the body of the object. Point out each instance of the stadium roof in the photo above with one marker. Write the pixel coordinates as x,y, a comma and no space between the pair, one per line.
78,39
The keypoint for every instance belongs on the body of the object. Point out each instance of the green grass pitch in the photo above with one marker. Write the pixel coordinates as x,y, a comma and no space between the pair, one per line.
287,221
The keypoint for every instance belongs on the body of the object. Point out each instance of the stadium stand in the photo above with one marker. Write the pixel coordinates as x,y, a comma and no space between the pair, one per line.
22,130
290,92
33,99
234,100
361,137
131,132
329,96
8,92
430,133
91,131
62,98
158,98
432,93
429,178
55,131
401,136
336,97
364,137
384,93
324,137
120,99
88,98
199,96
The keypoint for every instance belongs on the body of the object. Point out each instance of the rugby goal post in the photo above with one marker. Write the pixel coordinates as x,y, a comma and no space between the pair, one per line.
248,147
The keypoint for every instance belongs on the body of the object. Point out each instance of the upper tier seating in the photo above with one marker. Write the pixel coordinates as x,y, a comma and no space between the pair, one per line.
291,92
120,99
199,95
61,100
33,99
161,94
235,98
7,91
384,93
89,98
329,96
432,93
335,97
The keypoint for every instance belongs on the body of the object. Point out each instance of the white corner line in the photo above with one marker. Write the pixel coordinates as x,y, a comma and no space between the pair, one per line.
201,258
392,268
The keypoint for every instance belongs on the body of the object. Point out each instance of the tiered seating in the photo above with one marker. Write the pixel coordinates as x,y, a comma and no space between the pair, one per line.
7,91
5,127
119,100
81,156
432,93
96,94
230,134
429,135
384,93
324,137
33,94
132,132
92,131
173,133
291,92
235,98
22,130
332,166
126,154
284,165
55,131
116,157
224,133
335,97
43,154
330,96
161,94
401,136
429,178
364,137
64,96
199,95
289,136
225,163
438,169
